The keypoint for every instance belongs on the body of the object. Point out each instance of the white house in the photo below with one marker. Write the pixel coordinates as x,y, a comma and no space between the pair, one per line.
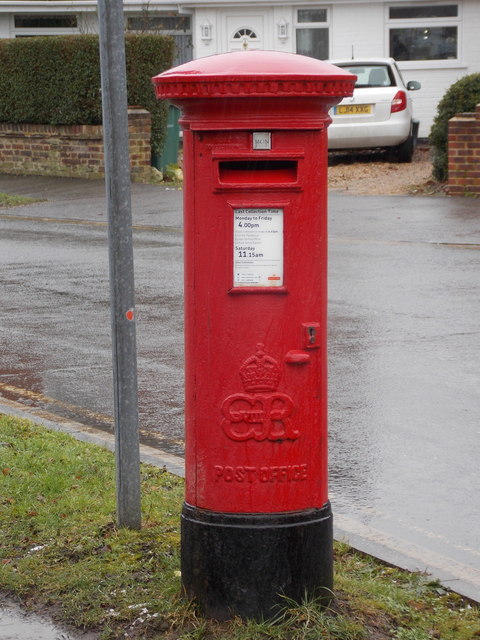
435,41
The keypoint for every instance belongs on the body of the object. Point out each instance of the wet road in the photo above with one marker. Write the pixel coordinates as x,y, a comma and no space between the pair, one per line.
405,377
55,329
404,350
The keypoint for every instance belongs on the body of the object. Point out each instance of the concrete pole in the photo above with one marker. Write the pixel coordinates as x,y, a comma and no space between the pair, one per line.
117,179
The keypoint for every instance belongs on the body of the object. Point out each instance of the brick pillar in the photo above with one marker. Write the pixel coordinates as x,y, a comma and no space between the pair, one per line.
139,130
464,153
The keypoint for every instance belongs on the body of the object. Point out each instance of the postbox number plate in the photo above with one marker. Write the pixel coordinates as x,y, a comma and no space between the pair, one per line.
258,247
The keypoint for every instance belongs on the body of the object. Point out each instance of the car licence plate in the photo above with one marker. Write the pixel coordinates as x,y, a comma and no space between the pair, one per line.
353,109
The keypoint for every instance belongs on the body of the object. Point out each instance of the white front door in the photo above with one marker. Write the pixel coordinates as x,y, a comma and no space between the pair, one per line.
245,31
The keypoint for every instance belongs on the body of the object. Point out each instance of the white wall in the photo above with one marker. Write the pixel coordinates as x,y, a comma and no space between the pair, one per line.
284,12
361,27
203,48
88,22
4,25
471,34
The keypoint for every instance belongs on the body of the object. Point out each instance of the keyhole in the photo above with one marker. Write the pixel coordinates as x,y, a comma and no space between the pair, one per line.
311,339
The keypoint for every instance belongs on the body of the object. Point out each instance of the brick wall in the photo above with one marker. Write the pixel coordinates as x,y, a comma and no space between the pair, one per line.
72,151
464,153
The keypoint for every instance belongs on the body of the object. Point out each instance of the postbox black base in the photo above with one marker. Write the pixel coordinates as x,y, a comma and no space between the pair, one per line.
242,564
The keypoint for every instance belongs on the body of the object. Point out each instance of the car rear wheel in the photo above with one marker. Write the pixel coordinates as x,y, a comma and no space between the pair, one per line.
404,151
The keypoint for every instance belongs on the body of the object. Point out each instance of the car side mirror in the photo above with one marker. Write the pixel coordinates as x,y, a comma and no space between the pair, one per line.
413,85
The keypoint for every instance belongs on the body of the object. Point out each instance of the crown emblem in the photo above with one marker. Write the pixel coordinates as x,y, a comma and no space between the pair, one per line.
260,372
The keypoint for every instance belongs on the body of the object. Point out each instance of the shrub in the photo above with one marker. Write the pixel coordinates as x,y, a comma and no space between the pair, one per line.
461,97
57,80
148,55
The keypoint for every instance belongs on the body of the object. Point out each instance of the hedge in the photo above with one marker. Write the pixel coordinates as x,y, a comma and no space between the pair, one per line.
56,80
461,97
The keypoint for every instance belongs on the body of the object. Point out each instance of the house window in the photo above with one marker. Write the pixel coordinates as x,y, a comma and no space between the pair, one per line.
312,33
438,11
165,23
425,32
34,21
37,24
245,32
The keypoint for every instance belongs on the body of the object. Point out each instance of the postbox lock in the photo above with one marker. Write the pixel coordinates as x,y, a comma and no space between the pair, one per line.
311,335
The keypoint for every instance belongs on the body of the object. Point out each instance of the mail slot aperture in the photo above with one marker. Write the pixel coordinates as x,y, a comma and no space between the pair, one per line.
254,171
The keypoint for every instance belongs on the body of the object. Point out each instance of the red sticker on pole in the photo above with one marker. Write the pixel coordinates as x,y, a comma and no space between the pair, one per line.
130,314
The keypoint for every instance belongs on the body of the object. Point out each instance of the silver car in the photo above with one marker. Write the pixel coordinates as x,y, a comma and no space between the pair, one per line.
379,114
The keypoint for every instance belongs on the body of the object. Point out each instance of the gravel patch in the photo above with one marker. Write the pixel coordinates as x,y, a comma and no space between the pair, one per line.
372,174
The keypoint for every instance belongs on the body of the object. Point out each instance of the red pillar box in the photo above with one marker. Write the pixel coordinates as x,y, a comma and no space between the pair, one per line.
256,522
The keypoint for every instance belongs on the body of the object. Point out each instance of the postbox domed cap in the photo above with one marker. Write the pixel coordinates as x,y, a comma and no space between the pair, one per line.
254,73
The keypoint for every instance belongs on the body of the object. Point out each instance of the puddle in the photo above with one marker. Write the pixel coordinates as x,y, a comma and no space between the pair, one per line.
16,624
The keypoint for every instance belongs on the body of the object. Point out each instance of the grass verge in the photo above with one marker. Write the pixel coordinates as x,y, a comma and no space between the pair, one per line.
62,552
7,200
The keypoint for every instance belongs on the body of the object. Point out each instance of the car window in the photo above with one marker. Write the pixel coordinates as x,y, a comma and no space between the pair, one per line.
371,75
